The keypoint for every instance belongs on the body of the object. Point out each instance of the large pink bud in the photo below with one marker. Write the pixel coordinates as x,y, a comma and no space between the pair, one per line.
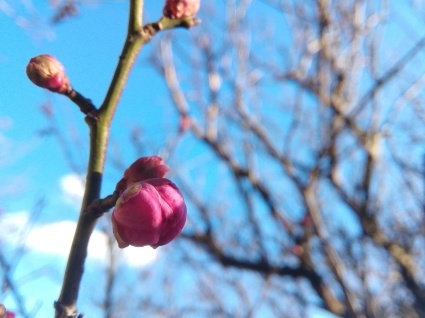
150,212
47,72
142,169
177,9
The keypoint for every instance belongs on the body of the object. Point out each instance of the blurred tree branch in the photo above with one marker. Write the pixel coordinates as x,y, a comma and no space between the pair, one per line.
331,157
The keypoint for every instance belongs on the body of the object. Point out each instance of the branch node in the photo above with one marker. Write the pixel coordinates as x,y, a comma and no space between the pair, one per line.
63,311
100,206
164,23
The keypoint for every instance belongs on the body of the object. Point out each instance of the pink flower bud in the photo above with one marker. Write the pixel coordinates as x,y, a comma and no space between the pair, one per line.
142,169
47,72
6,314
177,9
150,212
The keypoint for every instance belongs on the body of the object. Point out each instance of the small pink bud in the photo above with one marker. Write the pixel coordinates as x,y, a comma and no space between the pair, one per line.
6,314
150,212
47,72
177,9
142,169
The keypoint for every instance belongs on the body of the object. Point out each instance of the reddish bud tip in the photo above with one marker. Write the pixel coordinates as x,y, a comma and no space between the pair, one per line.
307,221
297,250
142,169
178,9
47,72
184,124
151,212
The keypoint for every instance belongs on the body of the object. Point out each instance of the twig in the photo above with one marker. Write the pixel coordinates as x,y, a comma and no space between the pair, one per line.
99,124
100,206
85,104
8,281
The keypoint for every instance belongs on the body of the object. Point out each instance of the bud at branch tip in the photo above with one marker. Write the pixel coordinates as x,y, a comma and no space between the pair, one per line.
47,72
179,9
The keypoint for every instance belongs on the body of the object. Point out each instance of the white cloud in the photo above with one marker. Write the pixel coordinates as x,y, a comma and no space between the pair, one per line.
56,239
72,186
52,238
139,256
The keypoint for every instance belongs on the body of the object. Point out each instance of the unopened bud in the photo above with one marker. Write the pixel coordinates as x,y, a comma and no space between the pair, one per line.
142,169
151,212
47,72
178,9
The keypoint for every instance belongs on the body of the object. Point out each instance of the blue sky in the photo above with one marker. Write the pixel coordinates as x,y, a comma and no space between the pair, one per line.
33,167
89,58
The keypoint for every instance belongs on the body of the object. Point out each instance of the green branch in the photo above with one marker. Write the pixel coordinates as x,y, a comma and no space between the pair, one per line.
99,126
66,306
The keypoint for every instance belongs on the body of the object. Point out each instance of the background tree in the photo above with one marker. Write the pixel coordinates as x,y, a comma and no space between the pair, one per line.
300,150
311,123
